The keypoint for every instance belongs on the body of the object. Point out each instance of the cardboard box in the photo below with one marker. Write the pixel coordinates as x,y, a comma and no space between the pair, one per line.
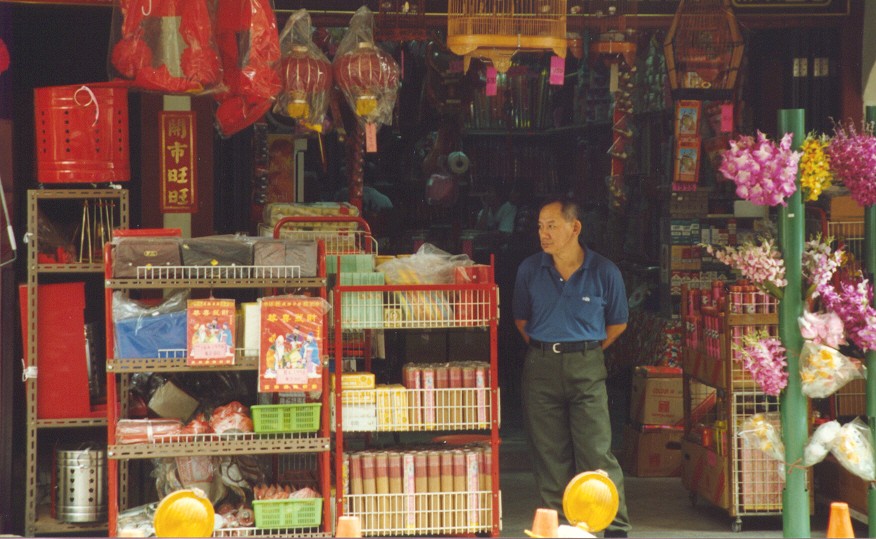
704,472
838,484
355,380
844,208
653,450
657,396
356,417
169,401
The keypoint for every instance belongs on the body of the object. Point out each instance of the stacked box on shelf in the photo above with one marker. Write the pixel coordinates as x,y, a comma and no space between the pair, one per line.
359,402
651,438
362,309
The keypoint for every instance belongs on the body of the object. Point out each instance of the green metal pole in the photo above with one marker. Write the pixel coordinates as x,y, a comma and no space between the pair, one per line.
795,497
870,358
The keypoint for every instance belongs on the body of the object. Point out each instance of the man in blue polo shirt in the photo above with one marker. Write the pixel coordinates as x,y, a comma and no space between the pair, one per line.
569,304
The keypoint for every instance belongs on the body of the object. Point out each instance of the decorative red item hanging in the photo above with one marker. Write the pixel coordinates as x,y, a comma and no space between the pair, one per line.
246,34
4,57
176,34
368,76
306,74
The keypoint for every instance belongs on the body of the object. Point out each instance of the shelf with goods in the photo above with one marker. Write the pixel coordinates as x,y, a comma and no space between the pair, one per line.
430,489
717,465
289,435
688,226
62,397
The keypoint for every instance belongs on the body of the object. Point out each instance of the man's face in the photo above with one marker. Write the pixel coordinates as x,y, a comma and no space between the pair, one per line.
555,232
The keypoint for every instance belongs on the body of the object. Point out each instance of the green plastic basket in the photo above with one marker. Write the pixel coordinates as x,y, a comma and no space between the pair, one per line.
286,417
303,513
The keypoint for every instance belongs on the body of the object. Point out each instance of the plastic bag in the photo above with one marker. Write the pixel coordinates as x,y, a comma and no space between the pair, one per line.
822,328
165,45
305,72
429,265
854,450
759,432
246,35
823,370
233,417
820,443
146,431
368,76
144,331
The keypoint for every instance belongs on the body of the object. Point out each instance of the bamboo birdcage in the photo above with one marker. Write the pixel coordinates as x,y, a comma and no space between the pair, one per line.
497,29
703,50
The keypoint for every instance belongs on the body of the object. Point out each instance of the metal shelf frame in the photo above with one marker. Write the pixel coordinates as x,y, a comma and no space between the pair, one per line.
37,521
119,371
400,307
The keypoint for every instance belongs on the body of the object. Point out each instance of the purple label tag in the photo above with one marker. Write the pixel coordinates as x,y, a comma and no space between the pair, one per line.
558,70
491,81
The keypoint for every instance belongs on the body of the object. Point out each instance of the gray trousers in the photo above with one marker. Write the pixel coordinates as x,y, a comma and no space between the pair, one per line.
565,407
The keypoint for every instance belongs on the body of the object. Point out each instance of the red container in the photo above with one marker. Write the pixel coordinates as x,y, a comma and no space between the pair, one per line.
82,133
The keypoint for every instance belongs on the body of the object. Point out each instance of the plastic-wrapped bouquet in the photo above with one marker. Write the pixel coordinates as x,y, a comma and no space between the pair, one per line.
759,431
764,174
824,370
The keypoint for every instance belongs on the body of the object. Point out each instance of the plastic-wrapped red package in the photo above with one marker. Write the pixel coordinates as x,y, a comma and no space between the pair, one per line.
246,33
165,46
146,431
367,75
233,417
198,425
305,72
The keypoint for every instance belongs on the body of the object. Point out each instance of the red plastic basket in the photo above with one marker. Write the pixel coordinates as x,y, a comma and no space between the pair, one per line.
82,133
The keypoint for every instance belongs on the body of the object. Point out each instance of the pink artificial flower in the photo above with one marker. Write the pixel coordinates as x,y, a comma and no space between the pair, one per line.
764,173
765,358
853,161
822,328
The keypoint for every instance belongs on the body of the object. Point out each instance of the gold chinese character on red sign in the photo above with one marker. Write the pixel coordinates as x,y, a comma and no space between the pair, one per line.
178,157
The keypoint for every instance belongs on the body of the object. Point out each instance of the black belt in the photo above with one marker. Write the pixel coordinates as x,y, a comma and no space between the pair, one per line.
564,347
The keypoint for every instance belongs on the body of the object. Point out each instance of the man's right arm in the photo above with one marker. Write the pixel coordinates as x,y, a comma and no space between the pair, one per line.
521,327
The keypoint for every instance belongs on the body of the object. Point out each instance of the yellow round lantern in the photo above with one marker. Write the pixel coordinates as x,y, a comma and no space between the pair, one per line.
590,501
184,513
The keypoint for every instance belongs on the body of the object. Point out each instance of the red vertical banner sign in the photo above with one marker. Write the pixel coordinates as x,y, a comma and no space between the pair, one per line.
178,157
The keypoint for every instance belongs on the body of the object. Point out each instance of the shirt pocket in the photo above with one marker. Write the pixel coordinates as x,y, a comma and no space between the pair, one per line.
590,308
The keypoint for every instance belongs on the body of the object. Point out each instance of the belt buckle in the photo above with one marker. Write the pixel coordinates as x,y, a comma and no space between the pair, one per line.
554,348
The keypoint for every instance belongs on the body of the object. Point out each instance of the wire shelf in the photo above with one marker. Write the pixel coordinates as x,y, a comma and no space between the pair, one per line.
758,479
183,445
217,276
397,408
415,307
423,513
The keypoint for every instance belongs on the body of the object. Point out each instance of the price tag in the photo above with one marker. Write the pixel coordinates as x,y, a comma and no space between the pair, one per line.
370,137
558,70
727,118
491,81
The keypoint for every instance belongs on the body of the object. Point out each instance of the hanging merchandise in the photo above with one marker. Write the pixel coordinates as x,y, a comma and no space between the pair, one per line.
305,74
165,46
368,76
4,57
246,34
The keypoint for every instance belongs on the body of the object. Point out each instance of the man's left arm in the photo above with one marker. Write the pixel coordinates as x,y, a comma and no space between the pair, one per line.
612,332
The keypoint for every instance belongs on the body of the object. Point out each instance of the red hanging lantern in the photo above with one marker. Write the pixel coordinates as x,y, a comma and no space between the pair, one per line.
367,75
305,74
306,78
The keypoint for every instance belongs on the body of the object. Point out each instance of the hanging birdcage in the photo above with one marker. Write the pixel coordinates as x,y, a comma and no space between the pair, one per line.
497,29
401,20
703,50
615,41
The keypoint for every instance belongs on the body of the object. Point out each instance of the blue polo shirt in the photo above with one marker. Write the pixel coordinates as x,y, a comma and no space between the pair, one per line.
575,310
